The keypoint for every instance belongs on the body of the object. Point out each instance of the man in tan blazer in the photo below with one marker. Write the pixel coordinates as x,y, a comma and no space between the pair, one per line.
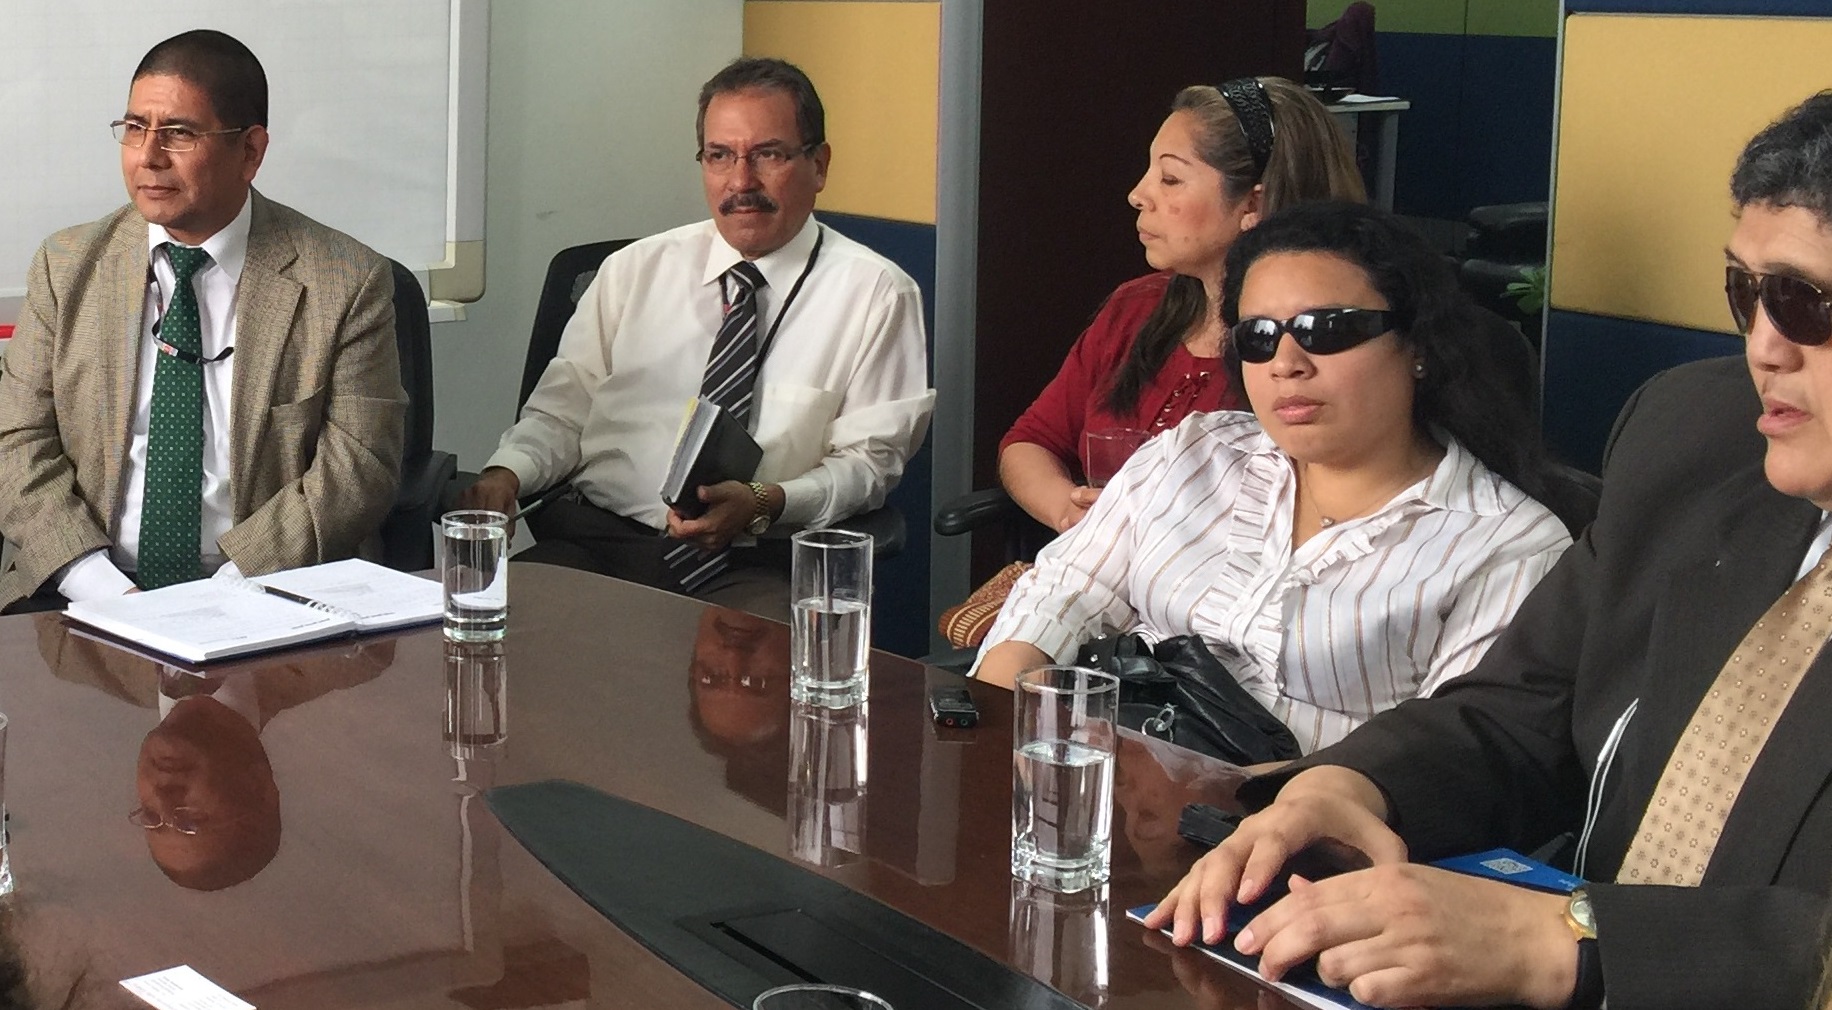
302,425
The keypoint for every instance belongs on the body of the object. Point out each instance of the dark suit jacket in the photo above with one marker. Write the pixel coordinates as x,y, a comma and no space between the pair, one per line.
1690,546
315,440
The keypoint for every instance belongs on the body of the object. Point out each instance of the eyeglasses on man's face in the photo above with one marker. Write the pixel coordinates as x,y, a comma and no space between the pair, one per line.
183,820
764,159
177,139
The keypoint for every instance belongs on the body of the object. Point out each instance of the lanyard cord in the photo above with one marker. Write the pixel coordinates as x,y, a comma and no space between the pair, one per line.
769,339
159,319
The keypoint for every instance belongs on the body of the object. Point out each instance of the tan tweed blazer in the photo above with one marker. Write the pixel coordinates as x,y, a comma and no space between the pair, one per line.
316,428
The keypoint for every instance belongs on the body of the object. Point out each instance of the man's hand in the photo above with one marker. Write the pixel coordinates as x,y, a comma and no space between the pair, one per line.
496,489
729,508
1081,499
1409,935
1318,804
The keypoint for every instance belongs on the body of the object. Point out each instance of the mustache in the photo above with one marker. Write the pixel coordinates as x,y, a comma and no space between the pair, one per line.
748,201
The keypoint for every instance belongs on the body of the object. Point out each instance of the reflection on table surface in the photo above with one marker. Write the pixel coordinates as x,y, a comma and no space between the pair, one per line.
307,829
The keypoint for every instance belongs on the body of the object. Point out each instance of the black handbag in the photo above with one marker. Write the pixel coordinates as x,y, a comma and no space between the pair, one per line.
1178,691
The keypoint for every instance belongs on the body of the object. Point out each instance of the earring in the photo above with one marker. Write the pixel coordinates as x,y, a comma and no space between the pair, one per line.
1418,369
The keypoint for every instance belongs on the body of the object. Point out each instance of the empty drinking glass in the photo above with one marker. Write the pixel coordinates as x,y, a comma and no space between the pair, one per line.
1104,451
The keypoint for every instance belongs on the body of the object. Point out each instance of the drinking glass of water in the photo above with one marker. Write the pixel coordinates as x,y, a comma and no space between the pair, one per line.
830,629
474,566
1063,746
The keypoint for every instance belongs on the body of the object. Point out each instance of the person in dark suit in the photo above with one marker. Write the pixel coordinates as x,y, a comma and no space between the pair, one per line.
1649,698
113,474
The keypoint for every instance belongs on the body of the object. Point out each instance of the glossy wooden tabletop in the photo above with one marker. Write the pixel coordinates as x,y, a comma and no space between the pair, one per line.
344,857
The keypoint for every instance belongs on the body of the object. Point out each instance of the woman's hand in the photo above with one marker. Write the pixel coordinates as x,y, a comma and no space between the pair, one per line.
1409,935
1080,500
1323,803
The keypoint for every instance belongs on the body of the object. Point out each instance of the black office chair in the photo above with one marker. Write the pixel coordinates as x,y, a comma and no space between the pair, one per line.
407,540
568,275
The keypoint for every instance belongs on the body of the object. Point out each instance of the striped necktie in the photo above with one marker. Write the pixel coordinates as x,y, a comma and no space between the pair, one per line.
731,371
730,381
171,509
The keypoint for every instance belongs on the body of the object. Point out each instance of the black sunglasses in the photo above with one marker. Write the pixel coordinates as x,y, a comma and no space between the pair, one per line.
1801,312
1319,331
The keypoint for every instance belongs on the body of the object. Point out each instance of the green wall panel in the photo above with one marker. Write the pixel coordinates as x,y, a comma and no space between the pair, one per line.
1536,18
1451,17
1441,17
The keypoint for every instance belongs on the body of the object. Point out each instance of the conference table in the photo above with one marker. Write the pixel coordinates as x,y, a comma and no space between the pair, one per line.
347,854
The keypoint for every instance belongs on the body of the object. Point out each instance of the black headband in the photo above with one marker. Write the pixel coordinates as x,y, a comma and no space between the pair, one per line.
1253,109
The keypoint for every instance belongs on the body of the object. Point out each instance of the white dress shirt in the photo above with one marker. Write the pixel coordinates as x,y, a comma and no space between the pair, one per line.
842,396
1194,537
104,573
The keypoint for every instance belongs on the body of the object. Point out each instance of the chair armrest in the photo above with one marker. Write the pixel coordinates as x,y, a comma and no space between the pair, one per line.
887,527
953,660
973,510
407,540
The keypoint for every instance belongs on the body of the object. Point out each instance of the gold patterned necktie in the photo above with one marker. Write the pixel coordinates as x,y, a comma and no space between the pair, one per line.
171,508
1712,759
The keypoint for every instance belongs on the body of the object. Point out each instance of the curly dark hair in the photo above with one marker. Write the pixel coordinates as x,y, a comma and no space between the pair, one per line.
1464,391
1789,164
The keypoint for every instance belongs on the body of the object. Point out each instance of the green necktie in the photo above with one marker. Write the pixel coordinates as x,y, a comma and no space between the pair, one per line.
172,508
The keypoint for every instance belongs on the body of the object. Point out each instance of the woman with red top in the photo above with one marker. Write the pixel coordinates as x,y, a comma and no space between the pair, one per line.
1223,159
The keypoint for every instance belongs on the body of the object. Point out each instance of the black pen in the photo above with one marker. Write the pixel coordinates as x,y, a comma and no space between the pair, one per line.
285,595
553,491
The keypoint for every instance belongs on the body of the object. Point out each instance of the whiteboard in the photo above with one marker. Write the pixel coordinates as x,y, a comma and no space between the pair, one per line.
376,112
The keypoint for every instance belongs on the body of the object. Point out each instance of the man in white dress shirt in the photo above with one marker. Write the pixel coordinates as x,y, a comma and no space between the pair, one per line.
812,340
135,449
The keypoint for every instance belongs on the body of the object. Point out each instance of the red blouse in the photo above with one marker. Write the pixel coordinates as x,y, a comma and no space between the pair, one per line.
1074,401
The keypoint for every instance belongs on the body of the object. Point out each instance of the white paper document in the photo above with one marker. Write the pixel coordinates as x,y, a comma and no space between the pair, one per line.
182,988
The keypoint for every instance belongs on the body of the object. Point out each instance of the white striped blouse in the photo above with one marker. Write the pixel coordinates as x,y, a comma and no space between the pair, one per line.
1194,537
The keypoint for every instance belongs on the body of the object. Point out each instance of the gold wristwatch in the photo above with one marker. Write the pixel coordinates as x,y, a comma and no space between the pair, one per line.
760,514
1579,917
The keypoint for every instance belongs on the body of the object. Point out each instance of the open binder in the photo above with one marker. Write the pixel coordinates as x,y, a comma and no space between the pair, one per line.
227,616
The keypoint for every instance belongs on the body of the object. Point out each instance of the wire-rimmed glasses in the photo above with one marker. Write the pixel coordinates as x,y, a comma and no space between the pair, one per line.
177,139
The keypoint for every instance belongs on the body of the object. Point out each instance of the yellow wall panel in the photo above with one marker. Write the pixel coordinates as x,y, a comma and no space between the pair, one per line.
878,69
1653,113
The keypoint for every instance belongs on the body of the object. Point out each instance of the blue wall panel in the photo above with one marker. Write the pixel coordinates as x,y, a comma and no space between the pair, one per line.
1427,70
900,609
1594,363
1505,151
1480,128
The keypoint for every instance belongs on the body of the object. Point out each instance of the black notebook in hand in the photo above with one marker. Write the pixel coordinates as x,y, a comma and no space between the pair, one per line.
712,447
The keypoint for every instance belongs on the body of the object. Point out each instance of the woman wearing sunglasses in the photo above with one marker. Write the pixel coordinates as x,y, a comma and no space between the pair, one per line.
1361,536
